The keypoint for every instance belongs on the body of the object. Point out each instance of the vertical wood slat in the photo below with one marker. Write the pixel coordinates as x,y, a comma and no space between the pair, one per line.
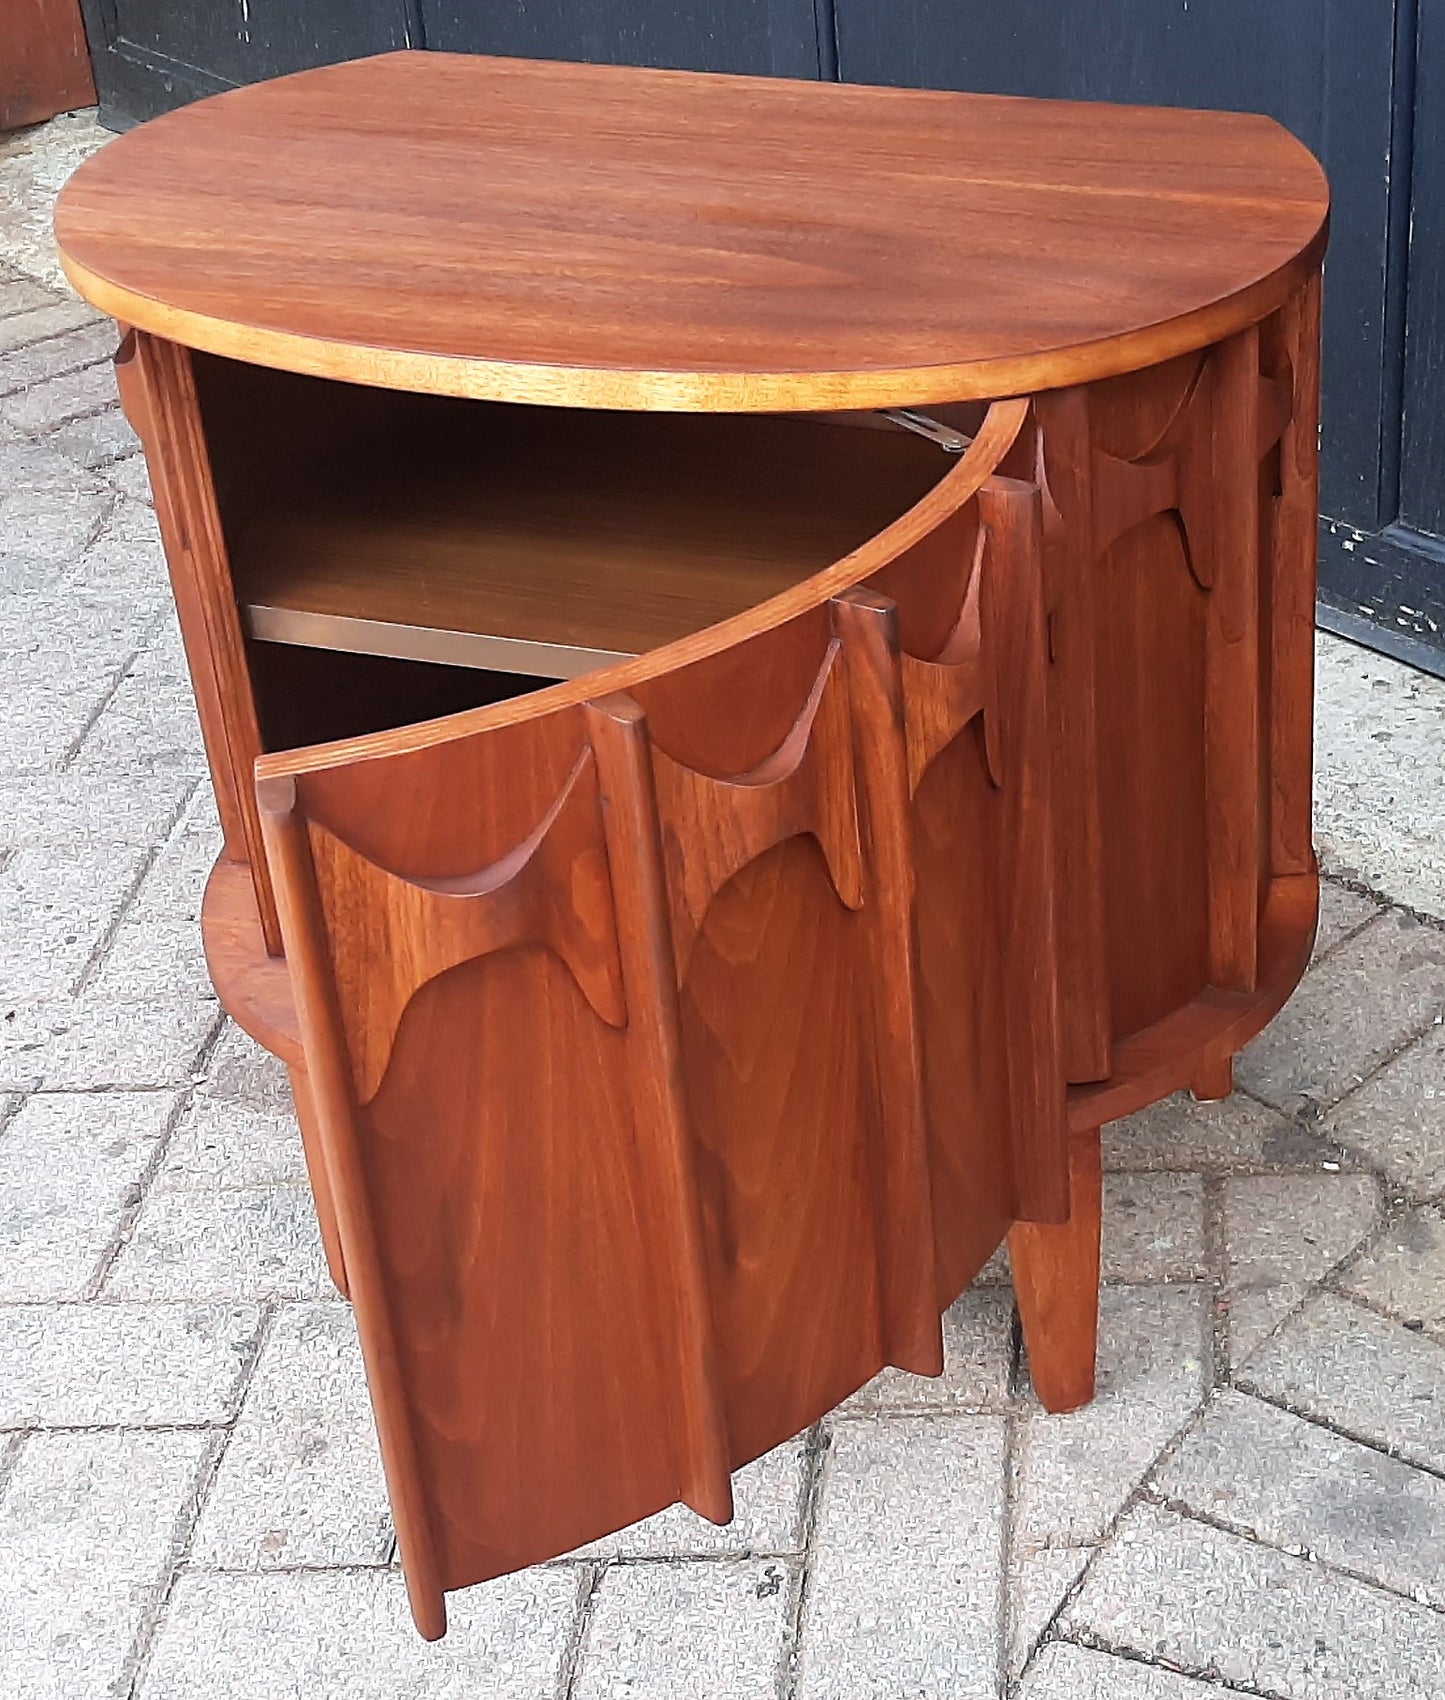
1292,590
1232,671
617,730
314,1152
159,392
334,1106
912,1338
1056,1283
1013,629
1065,460
805,785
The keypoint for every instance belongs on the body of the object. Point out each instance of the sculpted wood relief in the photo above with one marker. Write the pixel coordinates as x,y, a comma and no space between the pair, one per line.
712,828
1147,479
698,1041
390,935
752,1067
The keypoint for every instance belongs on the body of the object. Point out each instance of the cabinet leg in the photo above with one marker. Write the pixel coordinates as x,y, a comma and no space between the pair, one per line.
1056,1283
1214,1080
320,1180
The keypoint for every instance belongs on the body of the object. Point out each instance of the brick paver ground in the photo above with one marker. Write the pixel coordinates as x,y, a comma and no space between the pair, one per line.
190,1503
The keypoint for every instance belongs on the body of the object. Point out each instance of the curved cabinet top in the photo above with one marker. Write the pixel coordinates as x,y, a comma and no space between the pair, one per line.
612,237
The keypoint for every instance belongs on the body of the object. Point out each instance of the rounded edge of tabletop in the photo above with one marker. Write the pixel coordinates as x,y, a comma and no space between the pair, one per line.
628,389
675,388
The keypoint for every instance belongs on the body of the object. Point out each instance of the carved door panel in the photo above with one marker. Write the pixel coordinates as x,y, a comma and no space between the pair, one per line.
677,1057
1180,543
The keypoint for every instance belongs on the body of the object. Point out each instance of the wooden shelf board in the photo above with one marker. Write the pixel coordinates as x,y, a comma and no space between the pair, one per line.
556,543
426,643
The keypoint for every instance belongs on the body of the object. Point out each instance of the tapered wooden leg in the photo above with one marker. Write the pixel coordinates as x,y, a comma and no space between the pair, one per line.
1056,1283
320,1180
1214,1080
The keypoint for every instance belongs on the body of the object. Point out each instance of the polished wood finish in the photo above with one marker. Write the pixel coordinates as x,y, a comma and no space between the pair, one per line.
1215,1080
628,964
1291,352
158,392
869,650
1056,1282
608,237
342,1164
632,834
680,1016
1181,580
44,66
1188,1043
1235,848
1061,464
254,986
320,1178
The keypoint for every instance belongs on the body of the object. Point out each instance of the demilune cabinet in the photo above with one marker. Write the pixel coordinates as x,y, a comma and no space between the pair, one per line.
754,643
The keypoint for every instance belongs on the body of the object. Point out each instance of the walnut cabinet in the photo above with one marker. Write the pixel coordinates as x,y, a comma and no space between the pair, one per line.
754,645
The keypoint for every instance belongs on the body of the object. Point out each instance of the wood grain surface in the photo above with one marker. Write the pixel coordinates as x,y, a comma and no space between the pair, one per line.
787,897
1056,1284
44,65
1180,575
729,999
157,383
732,1039
673,1043
611,237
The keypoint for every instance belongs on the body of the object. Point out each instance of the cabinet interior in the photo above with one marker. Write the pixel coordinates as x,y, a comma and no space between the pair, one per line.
397,556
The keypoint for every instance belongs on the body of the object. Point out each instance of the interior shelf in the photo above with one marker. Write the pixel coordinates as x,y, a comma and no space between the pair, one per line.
549,542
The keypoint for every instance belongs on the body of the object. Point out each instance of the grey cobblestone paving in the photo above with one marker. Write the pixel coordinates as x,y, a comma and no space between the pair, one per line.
190,1507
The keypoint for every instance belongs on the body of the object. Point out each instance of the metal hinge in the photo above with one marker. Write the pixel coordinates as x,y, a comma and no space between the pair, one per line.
951,441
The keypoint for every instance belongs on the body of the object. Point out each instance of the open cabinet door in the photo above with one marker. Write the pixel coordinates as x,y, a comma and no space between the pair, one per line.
44,65
678,1056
